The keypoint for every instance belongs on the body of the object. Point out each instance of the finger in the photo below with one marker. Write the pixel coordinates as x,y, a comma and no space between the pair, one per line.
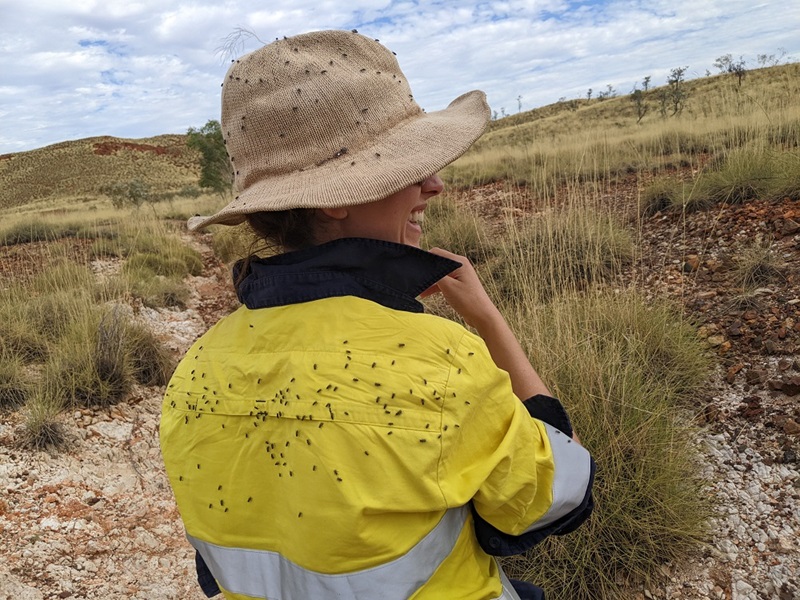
446,254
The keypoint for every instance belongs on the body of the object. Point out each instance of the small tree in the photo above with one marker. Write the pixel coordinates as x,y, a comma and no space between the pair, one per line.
589,94
215,168
646,84
638,99
134,193
727,64
676,90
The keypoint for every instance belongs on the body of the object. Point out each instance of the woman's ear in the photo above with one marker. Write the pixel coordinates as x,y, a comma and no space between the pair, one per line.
337,214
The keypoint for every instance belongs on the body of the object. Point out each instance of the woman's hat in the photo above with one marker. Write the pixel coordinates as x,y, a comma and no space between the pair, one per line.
327,119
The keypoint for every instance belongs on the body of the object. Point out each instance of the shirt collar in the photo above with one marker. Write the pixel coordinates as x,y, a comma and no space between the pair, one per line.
385,272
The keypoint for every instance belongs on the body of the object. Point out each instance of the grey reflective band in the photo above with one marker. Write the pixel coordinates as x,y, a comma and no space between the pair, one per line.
509,593
571,474
265,574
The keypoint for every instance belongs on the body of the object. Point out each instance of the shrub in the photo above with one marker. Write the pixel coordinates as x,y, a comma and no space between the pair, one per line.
623,369
41,429
746,175
150,362
14,386
756,265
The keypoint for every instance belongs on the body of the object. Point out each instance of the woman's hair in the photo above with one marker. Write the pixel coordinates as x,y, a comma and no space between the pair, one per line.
285,230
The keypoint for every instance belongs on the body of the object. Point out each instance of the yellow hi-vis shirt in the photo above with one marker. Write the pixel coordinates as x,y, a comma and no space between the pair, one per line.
330,449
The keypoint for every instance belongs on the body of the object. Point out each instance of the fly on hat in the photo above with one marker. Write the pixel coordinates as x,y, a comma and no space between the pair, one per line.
327,119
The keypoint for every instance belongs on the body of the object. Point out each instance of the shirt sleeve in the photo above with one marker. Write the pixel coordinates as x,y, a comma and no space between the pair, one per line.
524,477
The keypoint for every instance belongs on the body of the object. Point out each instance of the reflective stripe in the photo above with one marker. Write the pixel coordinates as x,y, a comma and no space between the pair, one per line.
571,474
509,593
265,574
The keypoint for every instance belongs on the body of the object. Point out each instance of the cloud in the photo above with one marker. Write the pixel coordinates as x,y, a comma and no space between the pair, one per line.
140,68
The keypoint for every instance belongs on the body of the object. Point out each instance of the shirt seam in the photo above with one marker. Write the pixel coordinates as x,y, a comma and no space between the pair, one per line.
441,418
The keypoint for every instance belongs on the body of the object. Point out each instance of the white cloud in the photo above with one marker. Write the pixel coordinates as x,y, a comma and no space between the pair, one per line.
139,68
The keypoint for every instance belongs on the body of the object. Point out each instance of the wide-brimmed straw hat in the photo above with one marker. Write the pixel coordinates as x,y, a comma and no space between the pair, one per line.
327,119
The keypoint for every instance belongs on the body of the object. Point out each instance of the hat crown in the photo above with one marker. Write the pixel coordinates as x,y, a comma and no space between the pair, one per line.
303,101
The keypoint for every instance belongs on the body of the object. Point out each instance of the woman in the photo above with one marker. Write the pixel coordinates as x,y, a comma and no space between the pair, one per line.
329,439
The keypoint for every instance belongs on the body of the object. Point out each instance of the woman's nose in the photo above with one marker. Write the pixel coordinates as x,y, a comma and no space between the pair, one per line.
433,185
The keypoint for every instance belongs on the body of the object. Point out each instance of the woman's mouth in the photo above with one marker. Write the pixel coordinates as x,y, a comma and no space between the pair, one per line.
417,217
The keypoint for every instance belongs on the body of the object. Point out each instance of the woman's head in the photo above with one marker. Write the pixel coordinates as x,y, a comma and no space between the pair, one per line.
396,218
327,121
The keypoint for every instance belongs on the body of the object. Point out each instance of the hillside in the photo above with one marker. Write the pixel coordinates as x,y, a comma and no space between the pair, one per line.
79,169
768,90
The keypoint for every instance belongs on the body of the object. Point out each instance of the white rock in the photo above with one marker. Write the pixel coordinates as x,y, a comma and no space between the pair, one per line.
50,523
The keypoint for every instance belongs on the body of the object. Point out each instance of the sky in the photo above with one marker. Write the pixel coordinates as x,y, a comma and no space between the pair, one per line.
71,69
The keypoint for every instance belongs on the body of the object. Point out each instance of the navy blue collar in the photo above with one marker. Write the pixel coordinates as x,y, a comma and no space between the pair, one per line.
385,272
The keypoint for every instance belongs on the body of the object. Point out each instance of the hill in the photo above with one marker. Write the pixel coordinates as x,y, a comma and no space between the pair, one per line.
79,169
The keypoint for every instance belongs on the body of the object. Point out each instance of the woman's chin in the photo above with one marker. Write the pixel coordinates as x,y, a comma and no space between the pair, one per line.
413,235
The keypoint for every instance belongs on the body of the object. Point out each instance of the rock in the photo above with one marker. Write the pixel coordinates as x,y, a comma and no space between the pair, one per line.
113,429
791,427
691,264
732,371
753,376
715,340
12,588
752,407
788,385
735,328
744,591
787,226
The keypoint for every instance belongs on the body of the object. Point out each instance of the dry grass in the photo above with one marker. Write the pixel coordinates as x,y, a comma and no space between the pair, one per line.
601,141
626,369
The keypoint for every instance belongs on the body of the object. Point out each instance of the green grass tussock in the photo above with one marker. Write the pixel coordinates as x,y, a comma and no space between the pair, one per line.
756,265
14,385
628,371
624,368
560,250
42,428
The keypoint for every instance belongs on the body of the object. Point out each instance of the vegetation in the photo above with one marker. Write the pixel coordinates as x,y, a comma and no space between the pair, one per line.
67,339
215,168
626,369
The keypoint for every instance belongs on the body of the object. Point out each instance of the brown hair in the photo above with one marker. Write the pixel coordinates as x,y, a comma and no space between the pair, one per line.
285,230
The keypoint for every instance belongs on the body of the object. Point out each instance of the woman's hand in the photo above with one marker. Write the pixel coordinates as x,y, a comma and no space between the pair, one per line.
462,289
464,292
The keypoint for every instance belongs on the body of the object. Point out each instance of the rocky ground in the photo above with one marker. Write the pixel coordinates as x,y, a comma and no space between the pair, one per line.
98,520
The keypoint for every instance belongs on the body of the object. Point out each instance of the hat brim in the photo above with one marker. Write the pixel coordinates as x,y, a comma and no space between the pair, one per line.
405,154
